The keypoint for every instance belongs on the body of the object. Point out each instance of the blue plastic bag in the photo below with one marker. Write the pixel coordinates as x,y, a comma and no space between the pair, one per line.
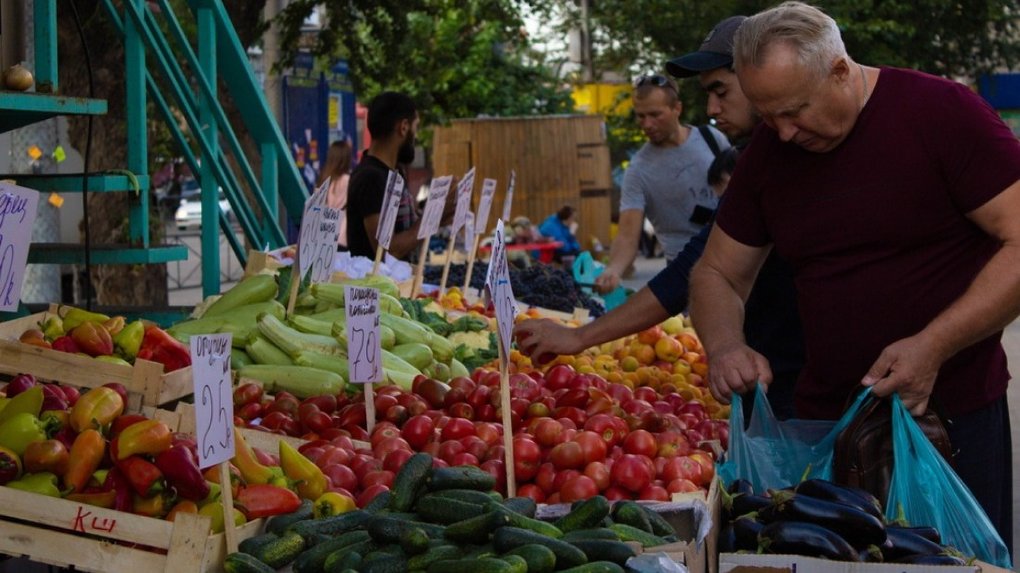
930,493
774,454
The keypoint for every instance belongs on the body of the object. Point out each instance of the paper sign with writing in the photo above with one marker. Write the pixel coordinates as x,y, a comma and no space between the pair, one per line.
214,398
388,212
364,348
17,217
508,200
469,230
484,205
434,206
500,291
465,187
320,226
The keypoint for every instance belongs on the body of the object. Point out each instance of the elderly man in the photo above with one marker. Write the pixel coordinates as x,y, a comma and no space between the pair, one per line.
902,231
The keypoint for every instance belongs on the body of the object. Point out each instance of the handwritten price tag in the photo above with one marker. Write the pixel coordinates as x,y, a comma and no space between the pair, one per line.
364,349
500,291
469,230
17,217
214,400
484,205
320,227
508,200
465,187
433,214
390,205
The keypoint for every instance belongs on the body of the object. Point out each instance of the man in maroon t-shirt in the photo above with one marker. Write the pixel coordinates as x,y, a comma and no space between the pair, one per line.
895,196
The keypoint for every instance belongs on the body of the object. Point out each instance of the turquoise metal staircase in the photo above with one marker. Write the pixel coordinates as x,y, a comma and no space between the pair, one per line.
162,67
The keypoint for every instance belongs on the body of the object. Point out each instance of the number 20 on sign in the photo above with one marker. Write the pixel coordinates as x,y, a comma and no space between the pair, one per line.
214,401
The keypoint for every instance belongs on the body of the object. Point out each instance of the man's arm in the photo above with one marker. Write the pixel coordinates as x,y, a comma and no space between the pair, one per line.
720,284
402,243
623,250
910,366
672,285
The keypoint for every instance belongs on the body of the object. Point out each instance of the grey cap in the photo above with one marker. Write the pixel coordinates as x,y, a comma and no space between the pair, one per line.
715,52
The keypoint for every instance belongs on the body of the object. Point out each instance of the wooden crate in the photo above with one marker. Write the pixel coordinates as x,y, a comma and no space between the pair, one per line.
145,381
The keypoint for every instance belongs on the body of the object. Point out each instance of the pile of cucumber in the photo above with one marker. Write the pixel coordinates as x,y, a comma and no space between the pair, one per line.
449,520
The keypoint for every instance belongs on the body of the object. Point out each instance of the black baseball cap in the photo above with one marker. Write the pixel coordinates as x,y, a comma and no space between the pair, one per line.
715,52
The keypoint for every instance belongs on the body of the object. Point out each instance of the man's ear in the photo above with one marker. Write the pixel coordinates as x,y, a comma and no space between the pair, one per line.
841,68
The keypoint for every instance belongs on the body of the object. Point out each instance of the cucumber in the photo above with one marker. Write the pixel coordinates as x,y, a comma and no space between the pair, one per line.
462,477
587,514
517,563
508,538
438,553
605,550
522,505
660,526
351,561
338,560
414,541
410,481
524,522
628,533
244,563
334,525
447,511
313,560
540,559
483,565
593,533
597,567
631,513
386,529
251,544
476,529
279,523
379,502
280,551
383,563
468,495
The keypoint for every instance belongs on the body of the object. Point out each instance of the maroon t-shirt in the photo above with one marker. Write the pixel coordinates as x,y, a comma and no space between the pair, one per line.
877,234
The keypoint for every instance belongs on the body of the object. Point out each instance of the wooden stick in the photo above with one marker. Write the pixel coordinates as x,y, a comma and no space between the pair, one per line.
295,284
419,273
378,259
508,428
227,499
370,406
471,263
446,267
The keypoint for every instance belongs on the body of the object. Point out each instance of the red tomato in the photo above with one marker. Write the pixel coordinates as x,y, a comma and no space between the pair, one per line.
382,431
341,476
575,415
577,488
247,394
544,478
562,478
548,432
319,421
369,494
641,443
592,445
335,455
494,453
479,397
362,465
457,428
681,467
464,459
383,402
377,477
707,466
614,493
599,473
488,432
497,468
464,384
567,456
418,431
631,473
352,415
533,491
524,386
559,376
604,427
527,456
654,492
576,398
449,449
275,420
475,446
396,460
682,486
462,410
325,402
390,445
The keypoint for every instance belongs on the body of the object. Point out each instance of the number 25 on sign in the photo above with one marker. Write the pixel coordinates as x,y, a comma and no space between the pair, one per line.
214,408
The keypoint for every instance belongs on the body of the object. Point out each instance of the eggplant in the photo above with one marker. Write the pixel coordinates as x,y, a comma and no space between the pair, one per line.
871,554
743,503
727,542
852,496
854,525
740,486
927,532
937,559
802,538
746,529
902,543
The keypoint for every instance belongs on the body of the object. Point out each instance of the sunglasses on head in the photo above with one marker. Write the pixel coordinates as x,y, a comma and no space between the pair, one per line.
657,80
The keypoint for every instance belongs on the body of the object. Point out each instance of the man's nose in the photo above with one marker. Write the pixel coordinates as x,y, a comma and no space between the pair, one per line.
786,129
713,109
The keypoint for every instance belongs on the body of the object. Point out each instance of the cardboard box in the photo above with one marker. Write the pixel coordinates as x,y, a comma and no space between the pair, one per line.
748,563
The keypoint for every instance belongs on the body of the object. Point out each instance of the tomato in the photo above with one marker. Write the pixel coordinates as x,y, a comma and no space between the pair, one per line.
377,477
631,473
383,402
524,386
461,410
353,415
414,405
249,411
334,455
592,446
575,415
494,453
390,445
474,445
457,428
548,432
417,431
545,476
318,421
576,398
448,449
577,488
326,402
533,491
463,384
640,442
603,426
672,444
396,460
559,376
369,494
566,456
654,492
275,420
341,476
646,393
497,468
538,410
363,465
622,394
433,392
707,466
382,431
527,456
682,486
464,459
562,478
614,493
599,473
488,432
480,396
247,394
681,467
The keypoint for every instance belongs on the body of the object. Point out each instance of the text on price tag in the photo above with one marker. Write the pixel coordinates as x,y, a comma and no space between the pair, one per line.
214,399
390,206
17,217
364,348
469,230
500,291
320,227
484,205
433,214
465,187
508,200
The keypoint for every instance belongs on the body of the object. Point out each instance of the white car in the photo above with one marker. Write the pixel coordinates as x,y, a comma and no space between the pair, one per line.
189,214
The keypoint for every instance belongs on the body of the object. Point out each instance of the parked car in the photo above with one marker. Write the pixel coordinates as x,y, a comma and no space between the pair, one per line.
189,214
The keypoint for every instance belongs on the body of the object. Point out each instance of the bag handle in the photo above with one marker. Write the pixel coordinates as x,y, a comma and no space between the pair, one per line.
710,141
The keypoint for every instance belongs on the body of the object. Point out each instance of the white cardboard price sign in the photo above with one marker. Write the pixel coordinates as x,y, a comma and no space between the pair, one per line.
469,229
388,212
500,291
484,205
364,348
17,217
465,187
320,227
508,200
214,399
434,206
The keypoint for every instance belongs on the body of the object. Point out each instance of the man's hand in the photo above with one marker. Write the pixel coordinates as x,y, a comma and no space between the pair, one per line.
540,337
908,366
736,369
450,206
607,281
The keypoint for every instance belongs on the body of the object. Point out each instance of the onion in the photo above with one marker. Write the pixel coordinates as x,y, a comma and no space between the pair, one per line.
18,78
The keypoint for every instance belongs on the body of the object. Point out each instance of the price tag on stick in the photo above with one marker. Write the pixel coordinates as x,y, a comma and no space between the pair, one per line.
434,205
214,401
388,213
364,348
508,200
501,293
17,218
465,187
484,205
320,227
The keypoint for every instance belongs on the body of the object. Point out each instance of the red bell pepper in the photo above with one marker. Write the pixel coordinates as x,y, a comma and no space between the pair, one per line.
84,458
104,499
117,483
121,423
149,437
92,339
145,478
158,346
182,473
264,500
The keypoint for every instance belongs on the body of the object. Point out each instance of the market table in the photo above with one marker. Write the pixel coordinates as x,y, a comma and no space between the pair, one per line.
545,250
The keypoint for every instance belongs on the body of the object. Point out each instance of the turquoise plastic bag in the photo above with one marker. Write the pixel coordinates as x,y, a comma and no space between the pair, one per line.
586,270
930,493
774,454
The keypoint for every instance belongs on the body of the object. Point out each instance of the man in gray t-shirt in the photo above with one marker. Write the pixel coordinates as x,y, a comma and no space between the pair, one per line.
667,180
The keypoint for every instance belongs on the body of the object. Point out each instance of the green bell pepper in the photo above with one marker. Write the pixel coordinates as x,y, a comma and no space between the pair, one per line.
42,482
23,429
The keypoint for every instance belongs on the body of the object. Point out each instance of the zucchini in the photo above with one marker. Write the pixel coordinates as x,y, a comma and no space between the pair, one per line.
522,505
508,538
256,288
629,533
264,352
414,353
313,560
462,477
279,523
252,544
301,381
280,551
447,511
540,559
239,358
244,563
410,481
589,513
605,550
334,525
597,567
439,553
593,533
293,341
476,529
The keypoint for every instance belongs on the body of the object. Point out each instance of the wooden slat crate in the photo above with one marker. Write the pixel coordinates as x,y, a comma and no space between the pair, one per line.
145,381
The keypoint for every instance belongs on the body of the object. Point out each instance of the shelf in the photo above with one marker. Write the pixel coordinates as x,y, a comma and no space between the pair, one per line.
18,109
74,254
97,182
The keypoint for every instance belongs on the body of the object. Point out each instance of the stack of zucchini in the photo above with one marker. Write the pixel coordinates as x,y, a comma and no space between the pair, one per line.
449,520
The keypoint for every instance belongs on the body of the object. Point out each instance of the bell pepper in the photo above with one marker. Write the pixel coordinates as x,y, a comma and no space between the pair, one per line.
183,506
214,511
21,430
104,499
129,340
92,339
332,503
182,473
46,456
264,500
35,337
121,423
57,418
66,435
65,344
311,482
118,484
157,505
74,317
10,466
98,478
148,437
251,470
212,476
158,346
96,408
86,454
114,325
30,401
110,359
44,483
145,478
4,401
52,328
